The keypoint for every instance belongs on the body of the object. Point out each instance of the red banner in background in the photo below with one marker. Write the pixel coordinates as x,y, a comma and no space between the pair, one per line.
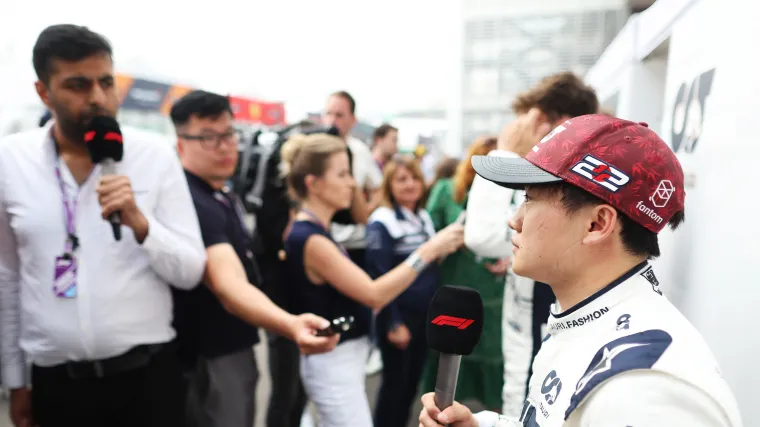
258,112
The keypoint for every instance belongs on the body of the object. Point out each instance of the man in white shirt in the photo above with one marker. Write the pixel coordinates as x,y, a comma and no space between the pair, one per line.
526,303
597,191
101,353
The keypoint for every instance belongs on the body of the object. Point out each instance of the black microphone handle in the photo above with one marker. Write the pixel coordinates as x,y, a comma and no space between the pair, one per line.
115,220
446,380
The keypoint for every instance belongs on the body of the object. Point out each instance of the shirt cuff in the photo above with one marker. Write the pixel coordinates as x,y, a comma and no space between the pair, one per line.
14,376
157,235
503,153
486,418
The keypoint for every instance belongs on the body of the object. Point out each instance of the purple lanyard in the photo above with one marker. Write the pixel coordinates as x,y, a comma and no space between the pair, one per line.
318,221
69,211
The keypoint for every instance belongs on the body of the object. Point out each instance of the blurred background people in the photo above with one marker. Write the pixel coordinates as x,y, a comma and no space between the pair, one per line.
384,144
396,229
325,281
481,373
445,169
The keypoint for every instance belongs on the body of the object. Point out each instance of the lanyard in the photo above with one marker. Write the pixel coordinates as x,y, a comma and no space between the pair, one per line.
230,201
69,211
318,221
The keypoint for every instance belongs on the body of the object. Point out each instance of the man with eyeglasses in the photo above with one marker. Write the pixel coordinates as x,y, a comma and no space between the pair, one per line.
215,322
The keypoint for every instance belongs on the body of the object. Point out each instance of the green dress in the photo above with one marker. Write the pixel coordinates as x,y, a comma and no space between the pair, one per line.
481,374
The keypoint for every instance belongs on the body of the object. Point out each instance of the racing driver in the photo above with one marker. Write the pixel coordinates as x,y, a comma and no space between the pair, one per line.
597,191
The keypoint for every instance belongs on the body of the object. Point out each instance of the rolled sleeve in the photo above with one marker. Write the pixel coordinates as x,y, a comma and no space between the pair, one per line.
174,246
486,231
12,356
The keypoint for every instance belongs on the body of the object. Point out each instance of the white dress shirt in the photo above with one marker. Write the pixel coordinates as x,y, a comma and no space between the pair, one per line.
123,298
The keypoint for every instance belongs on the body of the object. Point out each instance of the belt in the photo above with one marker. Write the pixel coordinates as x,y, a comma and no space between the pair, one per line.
135,358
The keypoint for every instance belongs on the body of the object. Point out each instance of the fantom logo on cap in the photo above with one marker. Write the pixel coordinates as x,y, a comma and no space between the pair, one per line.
459,322
662,193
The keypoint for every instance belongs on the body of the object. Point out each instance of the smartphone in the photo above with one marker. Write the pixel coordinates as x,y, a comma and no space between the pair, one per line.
337,326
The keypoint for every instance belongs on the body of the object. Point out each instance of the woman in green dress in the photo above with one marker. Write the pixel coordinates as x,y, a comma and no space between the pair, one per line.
481,374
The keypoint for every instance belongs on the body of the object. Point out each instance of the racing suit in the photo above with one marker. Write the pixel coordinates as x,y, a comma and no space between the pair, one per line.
526,304
625,356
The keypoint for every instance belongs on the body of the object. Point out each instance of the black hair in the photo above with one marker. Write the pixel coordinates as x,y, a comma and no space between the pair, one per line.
66,42
347,96
637,239
201,104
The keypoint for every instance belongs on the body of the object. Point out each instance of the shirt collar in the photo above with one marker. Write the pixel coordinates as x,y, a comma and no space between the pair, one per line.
598,304
195,181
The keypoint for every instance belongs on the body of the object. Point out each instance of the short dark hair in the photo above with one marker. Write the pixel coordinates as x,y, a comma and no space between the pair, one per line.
347,96
382,131
201,104
558,95
637,240
68,43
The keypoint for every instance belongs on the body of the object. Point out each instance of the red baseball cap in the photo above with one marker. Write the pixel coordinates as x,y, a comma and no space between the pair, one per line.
624,163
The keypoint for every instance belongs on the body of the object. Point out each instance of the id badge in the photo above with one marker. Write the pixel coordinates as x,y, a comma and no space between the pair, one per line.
65,277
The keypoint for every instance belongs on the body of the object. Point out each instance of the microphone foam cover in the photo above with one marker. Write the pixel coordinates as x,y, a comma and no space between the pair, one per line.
455,320
103,139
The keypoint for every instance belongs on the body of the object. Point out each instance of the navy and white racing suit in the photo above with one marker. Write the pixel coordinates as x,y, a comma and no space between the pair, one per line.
625,356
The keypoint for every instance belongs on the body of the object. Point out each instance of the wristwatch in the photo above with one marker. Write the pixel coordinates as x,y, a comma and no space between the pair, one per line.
417,263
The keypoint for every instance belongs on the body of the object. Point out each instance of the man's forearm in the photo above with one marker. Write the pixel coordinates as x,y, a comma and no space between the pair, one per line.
248,303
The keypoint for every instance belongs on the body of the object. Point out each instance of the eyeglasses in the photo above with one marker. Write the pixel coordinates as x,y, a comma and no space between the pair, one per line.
214,141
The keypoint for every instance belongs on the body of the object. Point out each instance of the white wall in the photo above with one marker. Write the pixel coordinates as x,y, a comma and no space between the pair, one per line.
710,263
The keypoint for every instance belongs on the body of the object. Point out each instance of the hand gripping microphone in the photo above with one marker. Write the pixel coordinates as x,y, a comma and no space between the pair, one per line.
454,326
104,143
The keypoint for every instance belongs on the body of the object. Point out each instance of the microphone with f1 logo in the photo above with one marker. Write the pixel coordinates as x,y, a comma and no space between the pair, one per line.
104,144
454,326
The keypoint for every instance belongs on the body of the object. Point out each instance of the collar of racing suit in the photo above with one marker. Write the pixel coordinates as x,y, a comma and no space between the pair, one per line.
599,304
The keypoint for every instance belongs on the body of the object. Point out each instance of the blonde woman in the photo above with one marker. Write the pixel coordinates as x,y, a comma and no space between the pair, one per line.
324,280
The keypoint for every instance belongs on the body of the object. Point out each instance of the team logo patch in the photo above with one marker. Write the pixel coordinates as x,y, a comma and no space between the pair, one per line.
651,278
601,173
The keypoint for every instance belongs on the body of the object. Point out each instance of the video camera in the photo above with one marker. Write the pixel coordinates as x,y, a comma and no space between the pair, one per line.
257,156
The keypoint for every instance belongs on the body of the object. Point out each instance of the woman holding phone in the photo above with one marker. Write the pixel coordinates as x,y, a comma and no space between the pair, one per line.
325,281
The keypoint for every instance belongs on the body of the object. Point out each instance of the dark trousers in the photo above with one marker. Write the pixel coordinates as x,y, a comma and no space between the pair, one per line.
402,370
288,398
222,391
147,396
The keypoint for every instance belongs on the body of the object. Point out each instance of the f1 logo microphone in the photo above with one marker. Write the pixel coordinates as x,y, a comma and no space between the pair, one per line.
458,322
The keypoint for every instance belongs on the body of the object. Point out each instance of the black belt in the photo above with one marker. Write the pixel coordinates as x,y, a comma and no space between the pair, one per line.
135,358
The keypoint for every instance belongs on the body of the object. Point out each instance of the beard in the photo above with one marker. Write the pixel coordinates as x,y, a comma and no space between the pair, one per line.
72,125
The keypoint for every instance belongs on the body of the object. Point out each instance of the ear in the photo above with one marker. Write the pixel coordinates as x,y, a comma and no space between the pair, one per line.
602,224
180,147
43,93
311,182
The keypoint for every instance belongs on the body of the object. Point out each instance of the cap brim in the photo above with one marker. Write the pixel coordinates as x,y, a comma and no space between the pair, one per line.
510,172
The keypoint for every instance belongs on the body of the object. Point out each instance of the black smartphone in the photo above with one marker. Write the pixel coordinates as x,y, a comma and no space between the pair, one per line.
337,326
